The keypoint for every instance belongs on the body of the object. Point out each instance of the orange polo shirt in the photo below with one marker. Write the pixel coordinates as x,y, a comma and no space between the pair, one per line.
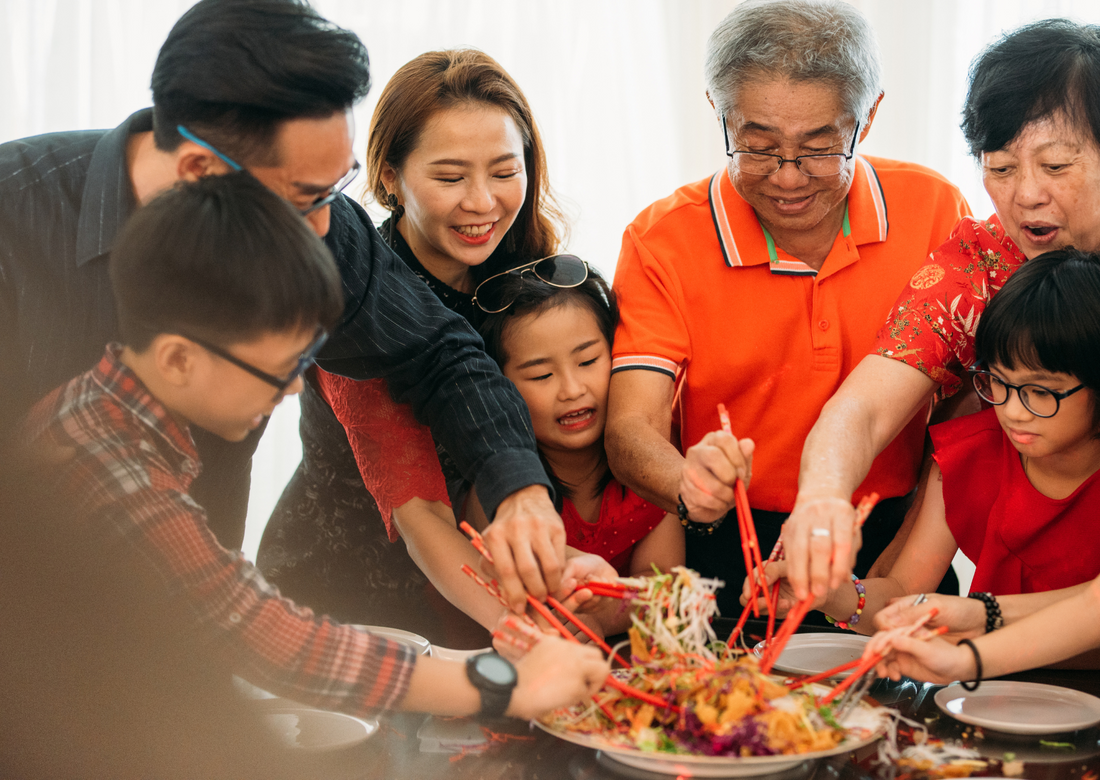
702,302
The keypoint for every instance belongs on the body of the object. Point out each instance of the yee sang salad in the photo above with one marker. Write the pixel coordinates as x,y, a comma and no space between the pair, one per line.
719,702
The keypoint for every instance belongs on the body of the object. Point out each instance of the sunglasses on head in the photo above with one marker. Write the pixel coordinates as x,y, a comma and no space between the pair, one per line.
494,296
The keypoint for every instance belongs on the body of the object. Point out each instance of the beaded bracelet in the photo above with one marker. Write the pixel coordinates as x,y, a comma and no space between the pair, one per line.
692,527
993,617
862,592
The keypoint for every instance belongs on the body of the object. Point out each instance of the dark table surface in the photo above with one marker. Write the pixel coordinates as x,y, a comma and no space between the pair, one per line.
521,752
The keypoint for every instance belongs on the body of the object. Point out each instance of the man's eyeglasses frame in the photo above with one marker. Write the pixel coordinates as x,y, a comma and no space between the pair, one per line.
320,203
780,160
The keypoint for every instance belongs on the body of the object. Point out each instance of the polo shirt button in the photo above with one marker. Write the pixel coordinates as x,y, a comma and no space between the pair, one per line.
234,618
824,324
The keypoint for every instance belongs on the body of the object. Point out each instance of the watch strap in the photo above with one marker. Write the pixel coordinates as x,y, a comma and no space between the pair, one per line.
495,698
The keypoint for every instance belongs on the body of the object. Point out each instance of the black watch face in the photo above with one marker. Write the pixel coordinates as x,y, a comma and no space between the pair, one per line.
495,669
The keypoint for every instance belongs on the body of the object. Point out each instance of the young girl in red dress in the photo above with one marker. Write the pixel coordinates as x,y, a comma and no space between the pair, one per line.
1016,487
554,342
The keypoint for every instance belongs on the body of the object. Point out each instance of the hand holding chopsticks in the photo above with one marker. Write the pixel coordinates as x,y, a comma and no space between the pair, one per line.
549,617
711,469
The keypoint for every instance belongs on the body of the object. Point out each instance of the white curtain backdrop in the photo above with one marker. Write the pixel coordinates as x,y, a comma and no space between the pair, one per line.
616,86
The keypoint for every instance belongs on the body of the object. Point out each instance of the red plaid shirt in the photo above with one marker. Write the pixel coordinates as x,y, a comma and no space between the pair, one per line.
129,466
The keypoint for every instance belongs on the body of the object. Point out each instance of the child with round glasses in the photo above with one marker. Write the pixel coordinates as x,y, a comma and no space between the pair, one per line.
1015,487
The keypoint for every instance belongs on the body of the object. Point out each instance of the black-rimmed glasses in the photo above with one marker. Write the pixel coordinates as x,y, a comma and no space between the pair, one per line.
761,164
492,297
1040,401
321,201
305,360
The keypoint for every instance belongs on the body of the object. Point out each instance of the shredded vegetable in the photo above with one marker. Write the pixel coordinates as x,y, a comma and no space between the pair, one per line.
672,612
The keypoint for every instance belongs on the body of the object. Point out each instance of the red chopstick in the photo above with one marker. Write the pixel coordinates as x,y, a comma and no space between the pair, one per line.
476,540
612,680
801,681
588,632
775,648
866,664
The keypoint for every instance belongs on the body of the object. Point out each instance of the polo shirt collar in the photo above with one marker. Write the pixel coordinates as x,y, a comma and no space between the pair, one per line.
866,213
108,198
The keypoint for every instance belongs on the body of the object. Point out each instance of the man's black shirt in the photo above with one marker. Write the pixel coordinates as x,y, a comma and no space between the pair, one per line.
63,199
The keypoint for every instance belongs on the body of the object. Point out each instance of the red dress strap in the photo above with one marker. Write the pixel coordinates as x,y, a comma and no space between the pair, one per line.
625,519
396,455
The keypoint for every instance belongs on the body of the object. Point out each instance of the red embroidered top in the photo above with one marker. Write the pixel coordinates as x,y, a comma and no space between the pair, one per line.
396,455
1019,540
933,322
625,519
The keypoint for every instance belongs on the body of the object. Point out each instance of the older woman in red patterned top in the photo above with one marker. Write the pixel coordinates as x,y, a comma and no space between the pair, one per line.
1032,118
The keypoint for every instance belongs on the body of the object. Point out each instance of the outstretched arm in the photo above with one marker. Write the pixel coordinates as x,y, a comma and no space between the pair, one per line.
875,402
555,673
1063,630
921,565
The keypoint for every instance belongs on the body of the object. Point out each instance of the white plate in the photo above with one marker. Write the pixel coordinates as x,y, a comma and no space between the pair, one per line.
1020,707
310,729
816,653
726,766
421,645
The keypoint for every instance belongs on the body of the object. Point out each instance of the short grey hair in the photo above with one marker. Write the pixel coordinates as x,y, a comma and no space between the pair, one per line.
802,40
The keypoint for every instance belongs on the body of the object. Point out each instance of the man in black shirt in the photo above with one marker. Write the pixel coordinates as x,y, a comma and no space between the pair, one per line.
264,85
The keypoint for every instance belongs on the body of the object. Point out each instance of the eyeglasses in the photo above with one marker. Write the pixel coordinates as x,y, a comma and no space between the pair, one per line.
321,201
1040,401
761,164
305,360
492,295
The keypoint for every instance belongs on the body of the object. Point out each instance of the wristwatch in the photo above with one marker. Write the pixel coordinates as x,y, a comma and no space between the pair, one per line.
494,677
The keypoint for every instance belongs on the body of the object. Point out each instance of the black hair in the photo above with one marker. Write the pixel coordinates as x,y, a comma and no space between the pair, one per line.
231,71
223,259
1041,70
1047,318
533,296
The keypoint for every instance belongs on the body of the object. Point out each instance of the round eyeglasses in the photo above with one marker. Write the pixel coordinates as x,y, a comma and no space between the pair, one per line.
1040,401
762,164
494,296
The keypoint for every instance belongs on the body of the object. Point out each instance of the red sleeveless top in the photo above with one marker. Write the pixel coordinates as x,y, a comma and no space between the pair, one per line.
1020,540
625,519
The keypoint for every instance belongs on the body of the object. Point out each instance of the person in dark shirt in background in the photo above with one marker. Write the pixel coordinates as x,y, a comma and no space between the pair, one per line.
267,86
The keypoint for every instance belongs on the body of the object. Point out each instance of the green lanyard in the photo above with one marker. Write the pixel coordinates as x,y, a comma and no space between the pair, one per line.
773,256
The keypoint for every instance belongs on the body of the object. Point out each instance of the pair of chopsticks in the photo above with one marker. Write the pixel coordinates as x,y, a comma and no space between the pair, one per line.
750,547
853,693
548,616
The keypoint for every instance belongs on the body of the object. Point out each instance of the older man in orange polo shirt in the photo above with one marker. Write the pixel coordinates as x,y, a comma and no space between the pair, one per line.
764,285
